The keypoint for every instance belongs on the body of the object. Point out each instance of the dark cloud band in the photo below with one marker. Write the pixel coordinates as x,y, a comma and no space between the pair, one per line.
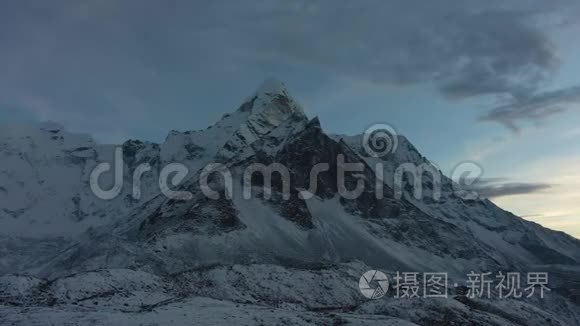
535,107
501,187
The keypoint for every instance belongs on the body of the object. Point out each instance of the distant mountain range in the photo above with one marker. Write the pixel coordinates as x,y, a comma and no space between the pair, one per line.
69,257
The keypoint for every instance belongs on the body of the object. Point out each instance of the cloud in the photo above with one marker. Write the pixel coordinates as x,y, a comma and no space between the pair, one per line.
535,107
153,50
39,107
464,47
502,187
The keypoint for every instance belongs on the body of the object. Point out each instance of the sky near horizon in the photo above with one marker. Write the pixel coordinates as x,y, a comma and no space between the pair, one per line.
493,82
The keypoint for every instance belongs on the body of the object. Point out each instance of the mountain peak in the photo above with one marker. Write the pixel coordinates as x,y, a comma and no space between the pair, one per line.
272,87
272,100
260,114
271,97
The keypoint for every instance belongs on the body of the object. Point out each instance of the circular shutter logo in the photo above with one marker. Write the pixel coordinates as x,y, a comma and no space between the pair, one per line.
374,284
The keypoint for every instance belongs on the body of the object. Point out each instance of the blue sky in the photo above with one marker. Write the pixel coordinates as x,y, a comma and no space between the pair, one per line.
494,82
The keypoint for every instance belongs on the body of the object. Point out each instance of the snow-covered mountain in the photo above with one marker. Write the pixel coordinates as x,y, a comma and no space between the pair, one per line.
70,256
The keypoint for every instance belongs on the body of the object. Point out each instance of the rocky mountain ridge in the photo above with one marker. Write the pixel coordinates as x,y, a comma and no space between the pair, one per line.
158,253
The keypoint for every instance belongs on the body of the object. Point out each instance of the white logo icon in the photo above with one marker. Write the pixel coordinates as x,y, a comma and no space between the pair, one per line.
380,140
373,284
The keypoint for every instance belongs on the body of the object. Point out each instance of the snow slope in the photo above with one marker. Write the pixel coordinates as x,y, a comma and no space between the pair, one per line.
69,256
